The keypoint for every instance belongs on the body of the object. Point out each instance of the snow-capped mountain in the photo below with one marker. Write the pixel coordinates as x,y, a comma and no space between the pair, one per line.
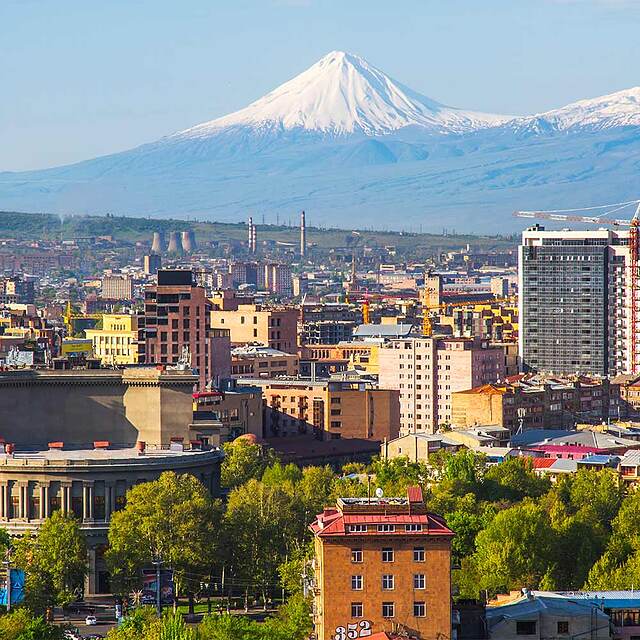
343,94
353,147
620,109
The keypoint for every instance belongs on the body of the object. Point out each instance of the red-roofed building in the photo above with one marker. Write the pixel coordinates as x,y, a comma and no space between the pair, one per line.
382,565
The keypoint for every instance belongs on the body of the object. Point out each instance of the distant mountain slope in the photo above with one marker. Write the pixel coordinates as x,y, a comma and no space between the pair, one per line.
356,148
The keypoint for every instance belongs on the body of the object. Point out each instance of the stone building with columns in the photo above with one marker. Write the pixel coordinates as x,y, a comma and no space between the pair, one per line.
91,484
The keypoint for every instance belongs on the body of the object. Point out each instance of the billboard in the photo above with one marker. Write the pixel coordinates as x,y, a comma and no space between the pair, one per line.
17,588
149,586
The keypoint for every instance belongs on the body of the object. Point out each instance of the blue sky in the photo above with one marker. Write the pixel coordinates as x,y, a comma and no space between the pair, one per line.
80,78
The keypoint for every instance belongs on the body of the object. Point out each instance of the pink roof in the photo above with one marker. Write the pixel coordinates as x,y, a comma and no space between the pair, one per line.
568,448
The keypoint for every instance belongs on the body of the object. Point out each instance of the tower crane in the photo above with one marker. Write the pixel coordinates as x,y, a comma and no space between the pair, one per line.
598,217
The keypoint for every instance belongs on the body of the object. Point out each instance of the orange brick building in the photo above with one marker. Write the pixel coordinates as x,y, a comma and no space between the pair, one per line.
382,565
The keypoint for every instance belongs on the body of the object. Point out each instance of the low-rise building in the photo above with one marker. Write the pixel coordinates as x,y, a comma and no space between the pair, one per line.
255,360
328,409
382,565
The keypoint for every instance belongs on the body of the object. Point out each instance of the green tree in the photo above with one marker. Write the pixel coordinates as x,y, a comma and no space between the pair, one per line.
292,622
21,624
174,519
513,480
516,548
54,560
244,460
228,627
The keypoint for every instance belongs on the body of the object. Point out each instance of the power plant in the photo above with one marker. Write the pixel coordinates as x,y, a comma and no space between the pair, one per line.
157,242
175,245
188,241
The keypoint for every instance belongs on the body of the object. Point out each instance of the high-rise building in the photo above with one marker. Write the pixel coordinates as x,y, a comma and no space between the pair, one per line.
575,301
152,263
277,278
117,288
382,565
427,370
119,341
177,327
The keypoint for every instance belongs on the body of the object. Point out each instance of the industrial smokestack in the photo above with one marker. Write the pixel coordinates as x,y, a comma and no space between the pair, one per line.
252,236
174,242
303,235
188,241
157,242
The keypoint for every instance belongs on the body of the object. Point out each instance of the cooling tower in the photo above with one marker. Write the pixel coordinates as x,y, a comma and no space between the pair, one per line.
188,241
157,242
174,242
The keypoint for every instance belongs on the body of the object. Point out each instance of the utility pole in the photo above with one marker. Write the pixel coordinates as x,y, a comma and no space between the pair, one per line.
158,563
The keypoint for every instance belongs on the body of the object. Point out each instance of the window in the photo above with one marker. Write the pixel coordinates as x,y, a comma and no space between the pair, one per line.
413,527
388,583
357,610
419,610
387,554
388,610
418,554
356,583
526,627
563,627
418,581
356,555
386,528
357,528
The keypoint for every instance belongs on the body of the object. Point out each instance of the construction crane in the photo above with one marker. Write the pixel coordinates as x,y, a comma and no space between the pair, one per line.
571,215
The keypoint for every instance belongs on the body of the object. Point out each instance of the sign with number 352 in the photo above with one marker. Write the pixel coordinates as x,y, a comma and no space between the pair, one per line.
353,630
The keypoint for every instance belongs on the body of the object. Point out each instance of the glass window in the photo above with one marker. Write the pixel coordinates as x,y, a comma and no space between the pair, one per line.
387,554
357,610
419,609
356,583
418,554
563,627
387,582
356,555
386,528
418,581
388,610
526,627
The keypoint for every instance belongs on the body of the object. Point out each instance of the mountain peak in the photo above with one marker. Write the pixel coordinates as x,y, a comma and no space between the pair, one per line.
343,94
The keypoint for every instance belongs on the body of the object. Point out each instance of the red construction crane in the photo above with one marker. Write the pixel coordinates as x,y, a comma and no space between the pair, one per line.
570,215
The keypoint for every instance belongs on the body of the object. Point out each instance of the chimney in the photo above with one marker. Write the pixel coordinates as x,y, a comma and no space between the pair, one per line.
188,241
175,244
157,242
9,448
141,445
303,235
101,444
56,445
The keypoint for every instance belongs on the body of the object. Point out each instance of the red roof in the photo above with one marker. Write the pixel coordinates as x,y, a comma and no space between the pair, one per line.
542,463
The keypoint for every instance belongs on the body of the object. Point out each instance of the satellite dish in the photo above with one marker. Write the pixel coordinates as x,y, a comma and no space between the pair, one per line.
379,492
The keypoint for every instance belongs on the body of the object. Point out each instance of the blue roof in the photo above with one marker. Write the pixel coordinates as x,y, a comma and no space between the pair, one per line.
598,458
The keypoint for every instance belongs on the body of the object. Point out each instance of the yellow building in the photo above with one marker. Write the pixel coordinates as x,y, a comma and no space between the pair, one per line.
117,342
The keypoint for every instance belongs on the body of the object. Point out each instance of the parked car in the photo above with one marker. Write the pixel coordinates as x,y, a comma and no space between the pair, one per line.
91,620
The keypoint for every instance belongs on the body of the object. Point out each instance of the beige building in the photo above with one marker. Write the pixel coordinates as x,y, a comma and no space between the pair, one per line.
417,447
118,341
330,410
426,371
117,288
264,362
82,406
249,323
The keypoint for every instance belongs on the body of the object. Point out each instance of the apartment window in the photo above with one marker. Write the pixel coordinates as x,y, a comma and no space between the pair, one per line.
563,627
526,627
413,527
336,424
335,412
335,400
386,528
388,583
387,554
356,555
419,609
357,528
418,581
388,610
356,583
357,610
418,554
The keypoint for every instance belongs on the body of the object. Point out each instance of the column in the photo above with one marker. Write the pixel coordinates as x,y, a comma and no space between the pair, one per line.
44,500
7,501
21,501
85,503
108,500
3,500
90,497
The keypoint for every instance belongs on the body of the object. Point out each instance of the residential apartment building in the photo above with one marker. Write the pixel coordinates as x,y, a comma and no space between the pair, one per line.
258,361
117,288
330,410
427,370
328,323
120,340
274,327
177,326
276,278
534,403
382,565
575,301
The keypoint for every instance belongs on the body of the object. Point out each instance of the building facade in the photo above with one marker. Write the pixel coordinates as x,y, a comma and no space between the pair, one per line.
382,565
575,302
258,361
117,288
426,371
119,341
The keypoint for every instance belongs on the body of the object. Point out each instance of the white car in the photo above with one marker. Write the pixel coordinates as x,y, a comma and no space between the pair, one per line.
91,620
